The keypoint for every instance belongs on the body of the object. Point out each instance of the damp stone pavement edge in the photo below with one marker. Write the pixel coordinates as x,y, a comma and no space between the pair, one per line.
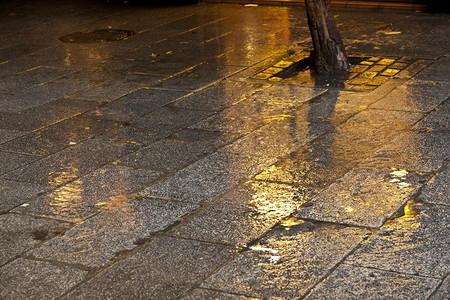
189,152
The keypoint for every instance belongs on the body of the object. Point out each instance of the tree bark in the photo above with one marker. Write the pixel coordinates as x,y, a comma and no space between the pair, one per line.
329,55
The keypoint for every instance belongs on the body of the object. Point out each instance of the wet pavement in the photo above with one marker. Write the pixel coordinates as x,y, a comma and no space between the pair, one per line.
191,157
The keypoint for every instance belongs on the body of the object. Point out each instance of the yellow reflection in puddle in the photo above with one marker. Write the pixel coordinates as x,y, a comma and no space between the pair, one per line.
291,221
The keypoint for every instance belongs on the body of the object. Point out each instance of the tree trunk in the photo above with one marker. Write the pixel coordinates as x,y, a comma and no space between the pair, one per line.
329,56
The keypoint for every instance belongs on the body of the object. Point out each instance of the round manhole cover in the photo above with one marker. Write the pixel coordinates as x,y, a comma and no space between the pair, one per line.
101,35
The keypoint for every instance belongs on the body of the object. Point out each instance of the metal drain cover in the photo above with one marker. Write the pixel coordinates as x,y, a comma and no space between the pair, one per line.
95,36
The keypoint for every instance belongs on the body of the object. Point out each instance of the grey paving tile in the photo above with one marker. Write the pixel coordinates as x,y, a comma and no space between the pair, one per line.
28,279
105,91
220,95
198,77
415,95
348,282
415,244
286,263
11,161
136,104
261,108
363,197
209,140
95,242
164,269
437,190
245,214
58,136
200,294
413,151
437,71
7,135
443,292
107,188
141,134
278,138
175,153
207,178
21,233
70,163
438,120
13,193
49,113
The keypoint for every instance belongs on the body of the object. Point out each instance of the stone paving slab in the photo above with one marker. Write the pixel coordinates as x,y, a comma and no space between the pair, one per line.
175,153
13,193
286,263
415,95
20,233
200,294
220,95
70,163
443,292
207,178
104,189
11,161
136,104
413,151
56,137
437,120
244,214
164,269
438,71
437,190
41,280
415,244
362,197
96,241
362,283
7,135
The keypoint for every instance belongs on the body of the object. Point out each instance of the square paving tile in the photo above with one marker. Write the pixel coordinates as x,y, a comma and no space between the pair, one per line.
415,244
58,136
201,294
415,95
207,178
95,242
245,214
11,161
219,96
413,151
70,163
28,279
437,190
6,135
443,292
285,264
20,233
362,197
165,269
438,120
13,193
104,189
348,282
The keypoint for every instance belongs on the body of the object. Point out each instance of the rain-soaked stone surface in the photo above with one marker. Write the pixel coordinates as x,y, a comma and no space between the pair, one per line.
56,137
20,233
164,269
29,279
438,120
415,244
219,96
13,193
413,151
286,263
6,135
362,197
263,107
201,294
11,161
443,292
415,95
351,282
107,188
245,214
437,190
99,35
98,240
70,163
177,152
207,178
